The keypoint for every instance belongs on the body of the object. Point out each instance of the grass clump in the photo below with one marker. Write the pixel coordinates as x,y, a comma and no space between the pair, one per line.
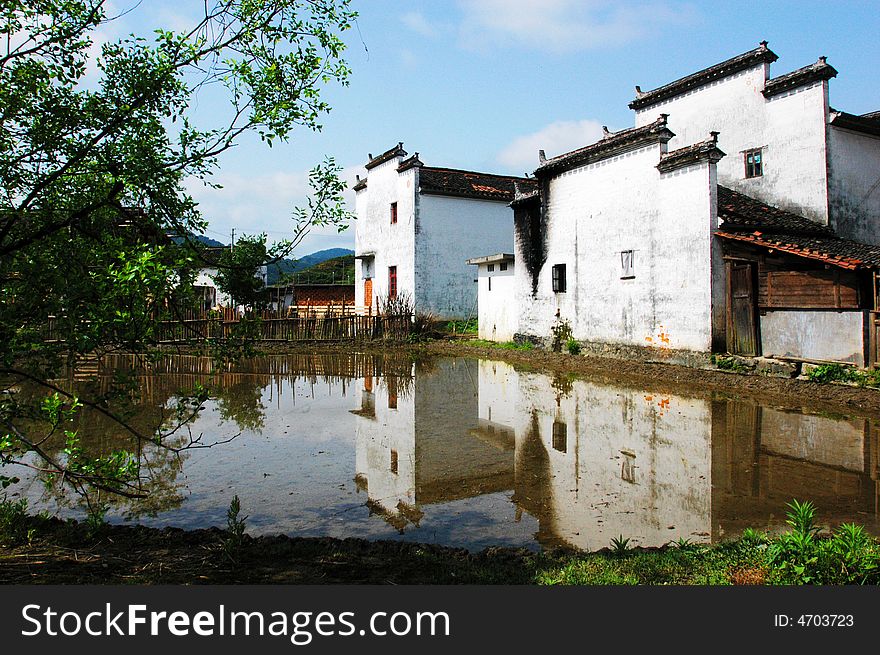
468,326
728,364
841,373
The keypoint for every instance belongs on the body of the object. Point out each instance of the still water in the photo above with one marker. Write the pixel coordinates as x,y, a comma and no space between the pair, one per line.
474,453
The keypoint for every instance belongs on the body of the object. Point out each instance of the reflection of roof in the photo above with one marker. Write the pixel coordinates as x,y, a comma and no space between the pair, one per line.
761,54
609,146
469,184
747,220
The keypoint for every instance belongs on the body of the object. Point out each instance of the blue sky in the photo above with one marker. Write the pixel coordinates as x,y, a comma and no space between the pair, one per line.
483,84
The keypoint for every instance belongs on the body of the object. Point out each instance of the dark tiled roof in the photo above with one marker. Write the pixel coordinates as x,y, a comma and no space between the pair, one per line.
469,184
740,212
759,55
867,123
360,184
802,76
608,147
837,252
702,151
751,221
391,153
410,162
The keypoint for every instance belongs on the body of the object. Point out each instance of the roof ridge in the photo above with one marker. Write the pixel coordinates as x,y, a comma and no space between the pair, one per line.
608,145
441,169
761,54
818,70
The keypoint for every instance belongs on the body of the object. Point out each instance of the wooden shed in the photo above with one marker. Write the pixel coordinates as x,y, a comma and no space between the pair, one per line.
794,289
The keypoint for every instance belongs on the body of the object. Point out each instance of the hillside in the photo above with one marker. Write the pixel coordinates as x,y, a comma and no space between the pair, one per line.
332,271
307,261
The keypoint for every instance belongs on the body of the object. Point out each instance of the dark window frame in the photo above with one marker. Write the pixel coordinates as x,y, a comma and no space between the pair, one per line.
627,264
502,266
393,213
392,282
753,160
559,281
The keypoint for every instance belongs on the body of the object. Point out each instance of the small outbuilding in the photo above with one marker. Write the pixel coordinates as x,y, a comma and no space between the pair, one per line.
497,314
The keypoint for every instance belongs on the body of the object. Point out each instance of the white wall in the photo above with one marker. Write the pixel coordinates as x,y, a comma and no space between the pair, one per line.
855,184
449,232
789,127
822,335
498,314
394,244
618,204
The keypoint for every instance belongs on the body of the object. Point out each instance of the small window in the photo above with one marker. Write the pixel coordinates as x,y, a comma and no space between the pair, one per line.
502,266
491,268
394,461
393,212
392,282
627,264
392,392
560,436
754,163
559,278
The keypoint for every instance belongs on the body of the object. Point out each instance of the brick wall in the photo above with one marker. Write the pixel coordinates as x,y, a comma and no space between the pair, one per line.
324,294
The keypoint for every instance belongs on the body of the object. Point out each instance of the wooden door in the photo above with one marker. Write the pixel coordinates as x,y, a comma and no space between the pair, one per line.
368,292
742,333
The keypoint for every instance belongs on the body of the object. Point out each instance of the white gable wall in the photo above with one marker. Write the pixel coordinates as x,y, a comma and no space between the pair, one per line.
789,128
855,184
451,230
394,244
624,203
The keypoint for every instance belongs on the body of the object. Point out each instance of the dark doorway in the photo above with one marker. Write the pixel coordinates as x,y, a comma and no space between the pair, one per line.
742,333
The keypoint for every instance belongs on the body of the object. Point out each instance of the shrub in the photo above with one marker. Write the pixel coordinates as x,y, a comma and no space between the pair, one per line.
573,347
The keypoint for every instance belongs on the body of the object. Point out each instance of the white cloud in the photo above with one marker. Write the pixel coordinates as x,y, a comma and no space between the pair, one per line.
418,24
253,204
562,26
555,139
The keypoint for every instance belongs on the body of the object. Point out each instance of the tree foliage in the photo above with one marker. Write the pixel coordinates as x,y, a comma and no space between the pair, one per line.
95,152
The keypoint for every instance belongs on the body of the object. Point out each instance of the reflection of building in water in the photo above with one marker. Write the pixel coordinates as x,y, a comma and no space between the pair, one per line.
595,461
419,443
592,461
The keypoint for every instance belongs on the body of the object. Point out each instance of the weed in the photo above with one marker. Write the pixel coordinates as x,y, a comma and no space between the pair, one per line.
682,543
619,545
235,529
573,347
562,334
13,521
728,364
841,373
462,327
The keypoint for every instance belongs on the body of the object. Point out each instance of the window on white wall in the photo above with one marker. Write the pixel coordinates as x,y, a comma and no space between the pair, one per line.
627,264
754,161
502,266
559,278
491,268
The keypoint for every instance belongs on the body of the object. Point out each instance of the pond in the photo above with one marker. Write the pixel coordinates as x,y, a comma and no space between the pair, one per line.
473,453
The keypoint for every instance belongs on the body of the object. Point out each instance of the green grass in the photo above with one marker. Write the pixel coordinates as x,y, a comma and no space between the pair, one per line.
461,327
841,373
507,345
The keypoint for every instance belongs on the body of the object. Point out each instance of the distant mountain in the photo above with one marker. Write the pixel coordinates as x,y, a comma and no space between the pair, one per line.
306,261
201,238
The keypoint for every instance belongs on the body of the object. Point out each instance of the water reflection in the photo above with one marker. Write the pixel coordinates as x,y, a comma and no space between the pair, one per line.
474,453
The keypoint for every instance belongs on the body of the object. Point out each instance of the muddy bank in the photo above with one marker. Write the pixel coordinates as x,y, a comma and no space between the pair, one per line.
62,552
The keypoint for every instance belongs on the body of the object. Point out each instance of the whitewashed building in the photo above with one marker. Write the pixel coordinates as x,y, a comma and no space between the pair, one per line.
733,216
416,226
497,316
205,283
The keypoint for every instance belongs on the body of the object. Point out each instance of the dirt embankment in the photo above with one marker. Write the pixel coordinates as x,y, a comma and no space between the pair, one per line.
68,553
